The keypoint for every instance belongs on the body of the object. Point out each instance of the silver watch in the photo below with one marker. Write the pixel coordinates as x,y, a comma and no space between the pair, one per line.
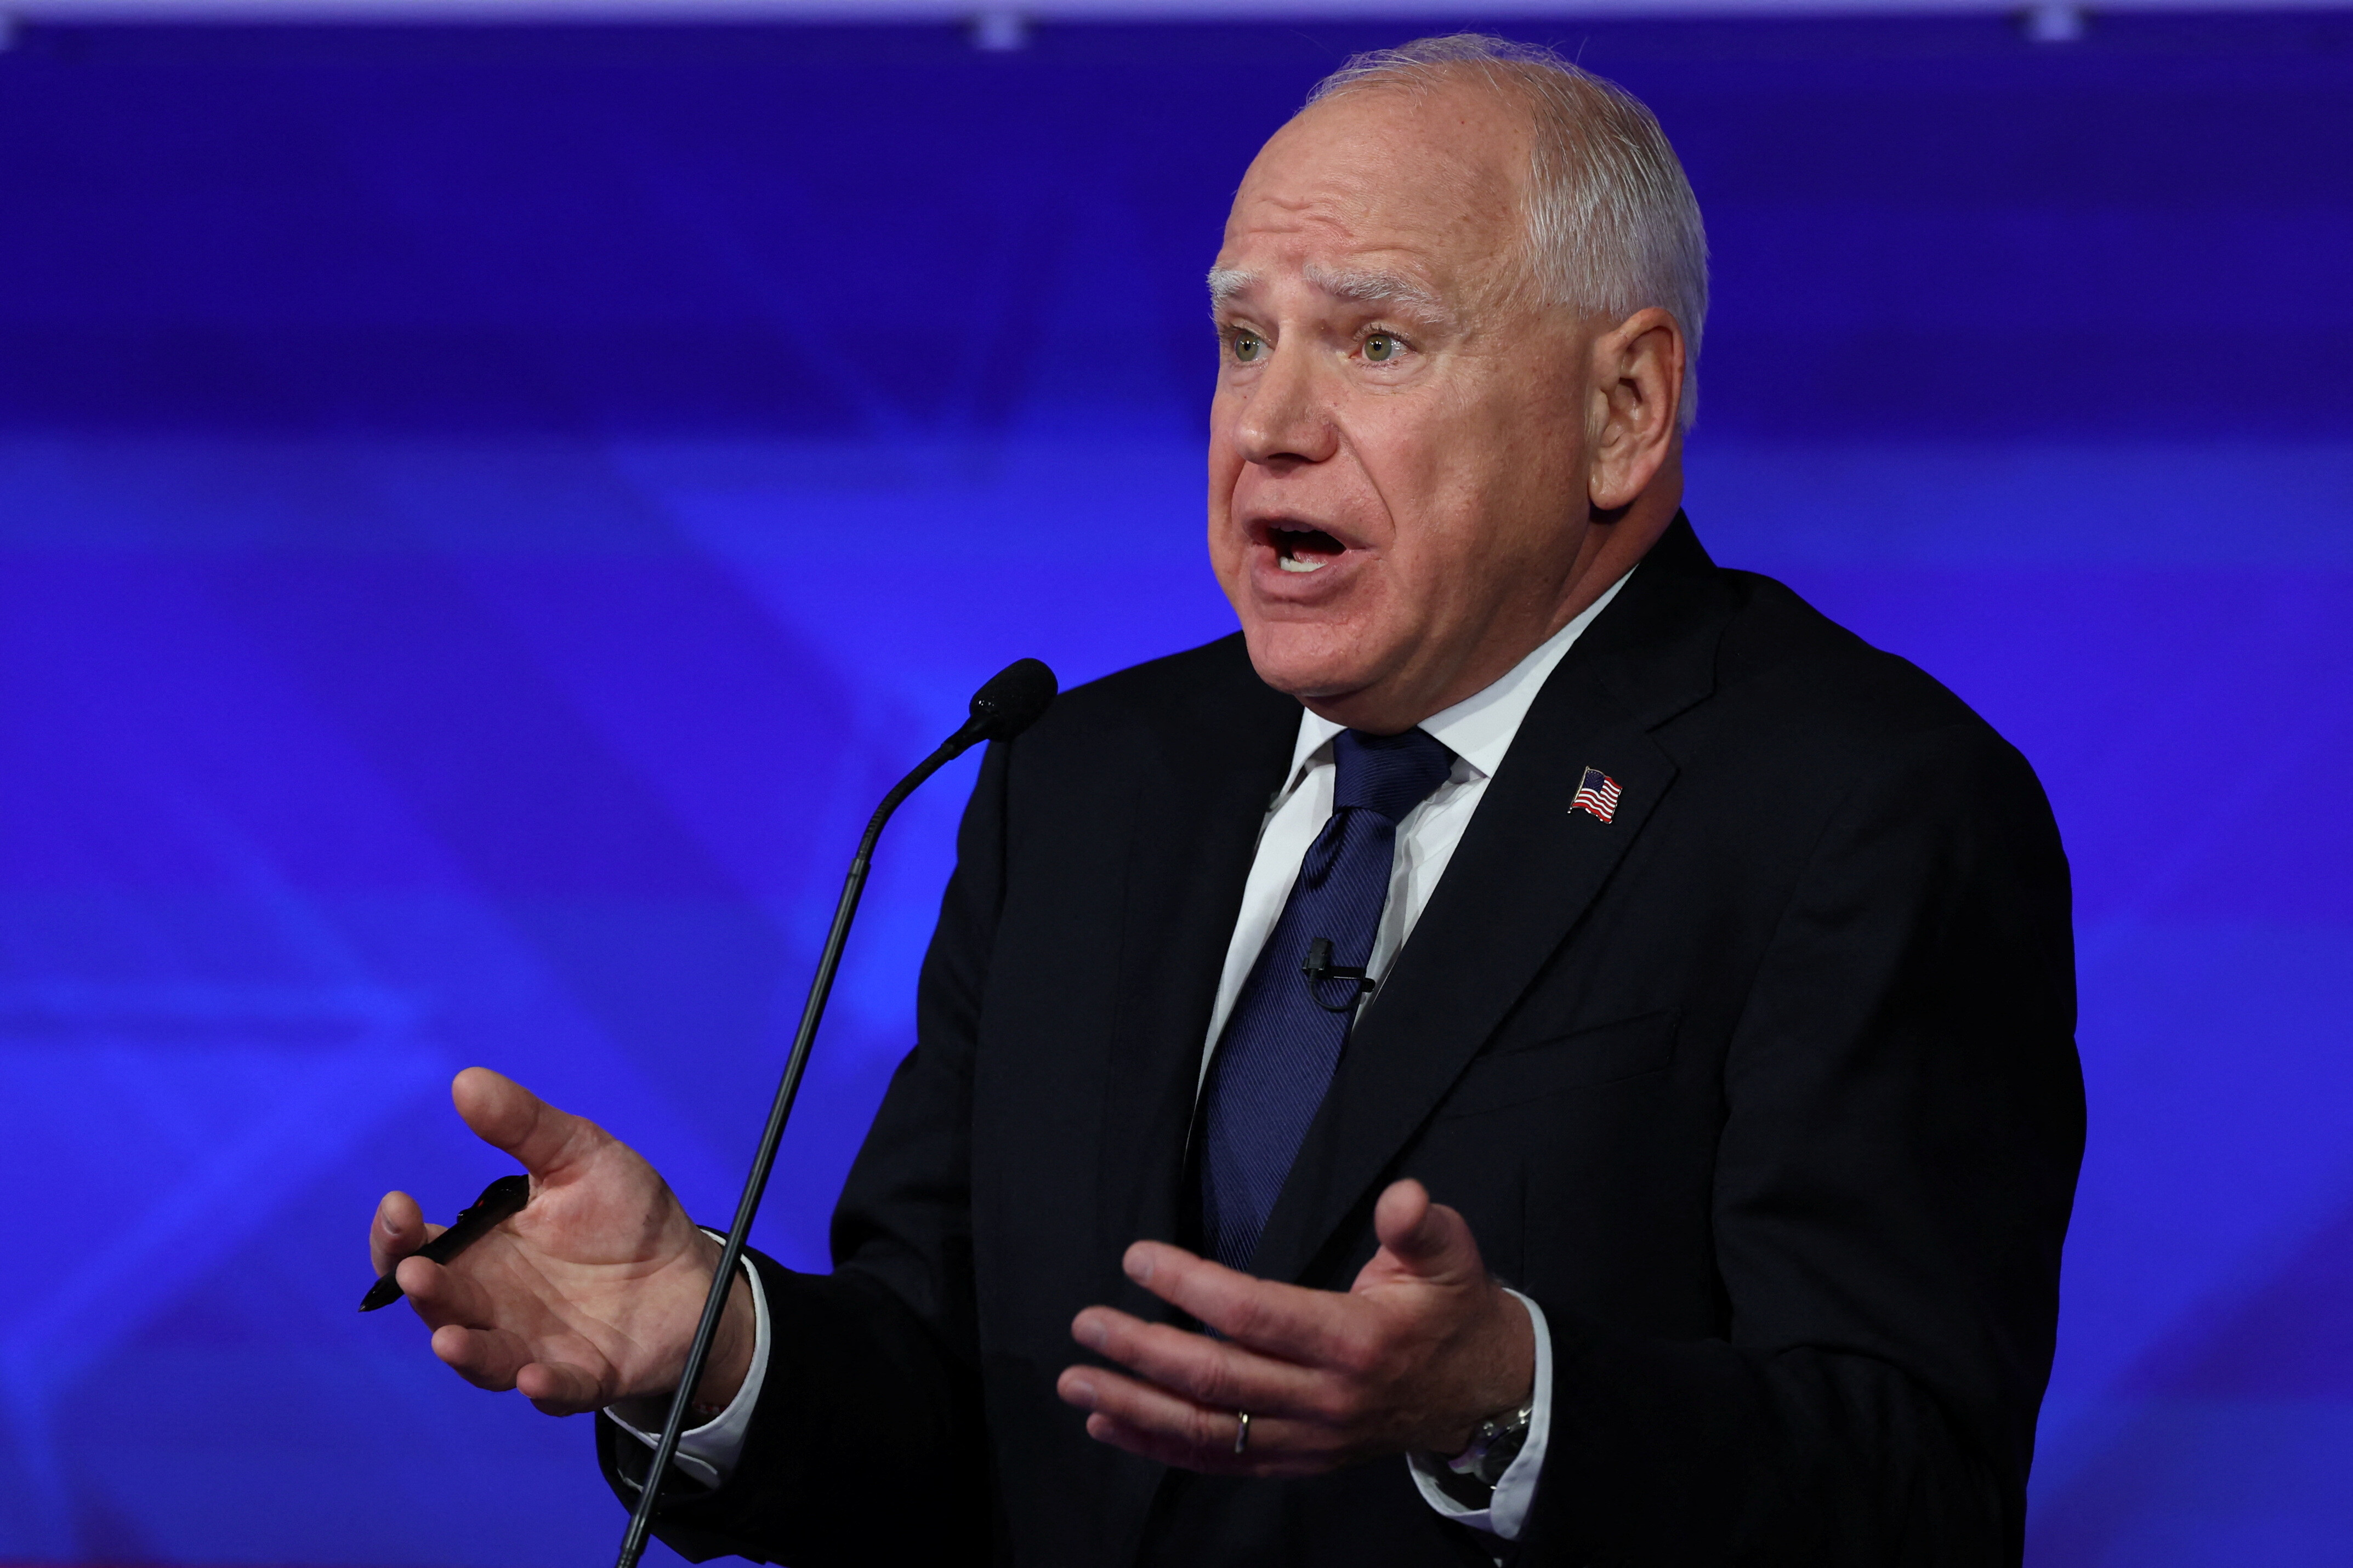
1494,1446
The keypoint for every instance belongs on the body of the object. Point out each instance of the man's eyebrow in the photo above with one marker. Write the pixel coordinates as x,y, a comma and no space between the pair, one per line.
1368,287
1377,289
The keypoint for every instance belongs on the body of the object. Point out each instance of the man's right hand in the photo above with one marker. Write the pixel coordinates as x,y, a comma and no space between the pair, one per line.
586,1299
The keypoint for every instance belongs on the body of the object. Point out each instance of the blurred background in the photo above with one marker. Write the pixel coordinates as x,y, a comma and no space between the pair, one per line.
486,502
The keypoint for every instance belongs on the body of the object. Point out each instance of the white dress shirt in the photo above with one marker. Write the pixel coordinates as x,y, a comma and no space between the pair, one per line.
709,1452
1479,730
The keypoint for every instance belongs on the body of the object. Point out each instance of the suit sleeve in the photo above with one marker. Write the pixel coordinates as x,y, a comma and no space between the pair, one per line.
1902,1125
873,1396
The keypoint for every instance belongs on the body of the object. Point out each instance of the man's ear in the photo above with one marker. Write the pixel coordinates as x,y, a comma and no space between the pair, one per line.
1637,400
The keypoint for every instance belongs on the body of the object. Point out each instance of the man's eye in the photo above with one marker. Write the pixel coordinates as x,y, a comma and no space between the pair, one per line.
1381,348
1248,346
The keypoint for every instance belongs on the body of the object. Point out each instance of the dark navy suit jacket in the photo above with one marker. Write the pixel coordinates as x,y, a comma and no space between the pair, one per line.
1764,1088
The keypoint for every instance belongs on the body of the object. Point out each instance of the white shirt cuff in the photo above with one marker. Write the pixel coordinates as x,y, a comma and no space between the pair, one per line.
709,1452
1507,1508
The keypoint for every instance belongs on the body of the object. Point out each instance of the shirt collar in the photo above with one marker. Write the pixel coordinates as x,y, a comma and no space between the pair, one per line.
1478,730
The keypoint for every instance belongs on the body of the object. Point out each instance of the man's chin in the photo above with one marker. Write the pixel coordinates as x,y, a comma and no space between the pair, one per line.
1314,663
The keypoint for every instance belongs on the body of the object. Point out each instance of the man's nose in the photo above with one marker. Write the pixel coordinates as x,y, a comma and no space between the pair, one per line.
1288,416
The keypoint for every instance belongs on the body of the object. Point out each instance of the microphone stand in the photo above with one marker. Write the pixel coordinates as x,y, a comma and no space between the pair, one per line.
1001,709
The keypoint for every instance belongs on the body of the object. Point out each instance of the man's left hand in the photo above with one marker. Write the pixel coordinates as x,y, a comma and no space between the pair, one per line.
1421,1348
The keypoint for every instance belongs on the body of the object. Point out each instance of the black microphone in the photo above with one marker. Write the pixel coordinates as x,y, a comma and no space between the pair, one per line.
1011,702
1008,704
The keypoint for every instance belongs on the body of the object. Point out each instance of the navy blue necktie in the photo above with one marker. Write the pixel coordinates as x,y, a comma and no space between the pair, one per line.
1283,1041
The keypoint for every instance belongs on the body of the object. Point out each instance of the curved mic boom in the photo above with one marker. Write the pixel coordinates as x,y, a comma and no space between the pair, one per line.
1009,703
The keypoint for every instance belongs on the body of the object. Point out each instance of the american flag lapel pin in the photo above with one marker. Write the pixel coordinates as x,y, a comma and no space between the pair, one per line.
1597,793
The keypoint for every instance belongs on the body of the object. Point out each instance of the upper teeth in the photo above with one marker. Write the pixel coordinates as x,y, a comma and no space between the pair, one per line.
1303,563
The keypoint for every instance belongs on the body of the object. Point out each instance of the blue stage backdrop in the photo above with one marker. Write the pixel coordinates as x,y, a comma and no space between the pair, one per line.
483,512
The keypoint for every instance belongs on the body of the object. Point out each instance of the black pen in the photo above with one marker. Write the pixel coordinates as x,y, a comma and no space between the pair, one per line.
501,1200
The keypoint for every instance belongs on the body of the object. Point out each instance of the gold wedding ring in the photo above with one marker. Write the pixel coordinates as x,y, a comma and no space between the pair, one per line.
1241,1433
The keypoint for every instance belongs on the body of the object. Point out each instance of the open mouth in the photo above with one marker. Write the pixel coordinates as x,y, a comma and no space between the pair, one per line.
1304,549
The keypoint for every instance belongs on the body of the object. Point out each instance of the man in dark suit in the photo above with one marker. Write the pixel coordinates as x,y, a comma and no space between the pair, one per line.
1541,1047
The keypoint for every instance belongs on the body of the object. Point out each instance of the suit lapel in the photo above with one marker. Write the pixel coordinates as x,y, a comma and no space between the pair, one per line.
1199,798
1200,805
1528,868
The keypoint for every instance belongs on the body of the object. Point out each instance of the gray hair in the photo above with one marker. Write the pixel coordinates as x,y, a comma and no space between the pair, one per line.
1613,226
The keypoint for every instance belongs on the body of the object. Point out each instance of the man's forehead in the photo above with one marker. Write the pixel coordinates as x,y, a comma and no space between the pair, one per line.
1378,191
1422,267
1390,133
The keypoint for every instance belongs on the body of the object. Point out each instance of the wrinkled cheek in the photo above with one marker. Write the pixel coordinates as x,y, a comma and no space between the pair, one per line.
1226,566
1225,472
1229,564
1225,543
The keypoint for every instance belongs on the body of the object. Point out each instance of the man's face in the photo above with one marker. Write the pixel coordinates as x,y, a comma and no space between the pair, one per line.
1397,451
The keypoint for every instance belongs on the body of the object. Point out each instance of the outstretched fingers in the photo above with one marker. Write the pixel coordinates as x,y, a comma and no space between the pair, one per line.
507,1116
558,1388
496,1360
443,1295
1312,1327
1174,1431
487,1358
1221,1375
1409,1358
